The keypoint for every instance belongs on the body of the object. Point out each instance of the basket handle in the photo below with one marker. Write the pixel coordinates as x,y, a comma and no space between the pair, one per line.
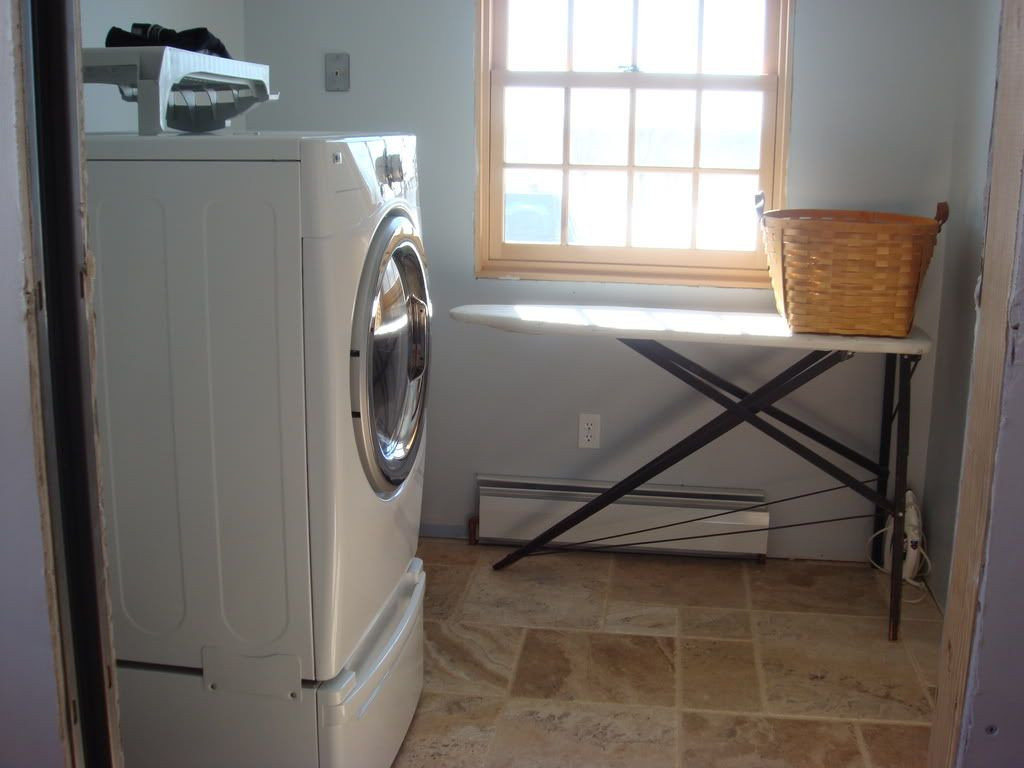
942,214
759,205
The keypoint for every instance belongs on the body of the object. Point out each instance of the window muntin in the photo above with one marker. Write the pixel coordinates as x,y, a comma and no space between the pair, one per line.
624,149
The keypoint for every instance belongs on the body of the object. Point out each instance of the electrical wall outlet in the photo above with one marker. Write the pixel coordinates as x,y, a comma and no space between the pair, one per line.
590,430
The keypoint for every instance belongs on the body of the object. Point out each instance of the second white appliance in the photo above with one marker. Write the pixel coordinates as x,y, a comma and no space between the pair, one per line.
263,346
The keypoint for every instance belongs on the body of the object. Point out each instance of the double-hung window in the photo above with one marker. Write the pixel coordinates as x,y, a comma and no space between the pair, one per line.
624,140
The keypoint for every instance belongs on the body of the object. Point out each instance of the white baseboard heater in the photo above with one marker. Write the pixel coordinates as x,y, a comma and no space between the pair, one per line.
516,509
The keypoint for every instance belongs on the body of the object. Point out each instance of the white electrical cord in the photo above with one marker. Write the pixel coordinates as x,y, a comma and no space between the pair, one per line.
916,583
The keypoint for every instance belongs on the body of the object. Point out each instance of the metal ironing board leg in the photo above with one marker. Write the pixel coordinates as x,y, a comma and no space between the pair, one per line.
899,494
742,407
795,376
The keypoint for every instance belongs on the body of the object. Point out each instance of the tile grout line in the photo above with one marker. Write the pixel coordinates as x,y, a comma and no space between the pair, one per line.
762,682
715,639
679,690
596,703
607,592
458,610
463,695
916,666
494,733
879,616
593,630
862,745
678,725
720,712
809,718
679,666
516,661
597,631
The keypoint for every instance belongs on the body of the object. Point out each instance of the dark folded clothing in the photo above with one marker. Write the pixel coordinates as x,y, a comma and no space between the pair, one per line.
198,39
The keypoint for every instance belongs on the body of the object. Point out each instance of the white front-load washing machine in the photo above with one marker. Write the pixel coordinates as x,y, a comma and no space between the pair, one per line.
263,340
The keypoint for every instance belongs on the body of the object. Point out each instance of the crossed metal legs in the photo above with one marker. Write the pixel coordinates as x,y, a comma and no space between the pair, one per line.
743,407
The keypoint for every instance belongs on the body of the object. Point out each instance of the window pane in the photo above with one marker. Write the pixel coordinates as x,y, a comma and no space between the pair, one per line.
533,206
662,210
602,35
665,127
538,35
597,207
726,220
734,37
599,126
730,129
667,36
533,125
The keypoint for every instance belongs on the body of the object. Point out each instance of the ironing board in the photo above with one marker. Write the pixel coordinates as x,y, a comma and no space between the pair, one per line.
645,331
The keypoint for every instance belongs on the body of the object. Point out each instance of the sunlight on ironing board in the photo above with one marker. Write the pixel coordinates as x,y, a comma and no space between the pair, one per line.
728,323
753,329
558,315
637,319
623,319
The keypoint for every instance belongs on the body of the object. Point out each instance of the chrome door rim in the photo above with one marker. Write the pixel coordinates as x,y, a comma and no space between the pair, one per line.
396,245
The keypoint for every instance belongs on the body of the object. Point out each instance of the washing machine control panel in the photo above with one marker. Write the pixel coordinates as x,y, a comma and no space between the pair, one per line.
394,164
389,168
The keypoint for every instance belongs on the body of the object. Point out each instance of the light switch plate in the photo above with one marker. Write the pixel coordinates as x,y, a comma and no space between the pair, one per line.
336,72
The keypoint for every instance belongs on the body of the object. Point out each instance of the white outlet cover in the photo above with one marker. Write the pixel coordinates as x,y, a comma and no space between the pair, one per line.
590,430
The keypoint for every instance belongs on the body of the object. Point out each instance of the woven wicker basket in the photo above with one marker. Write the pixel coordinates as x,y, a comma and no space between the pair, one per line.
848,272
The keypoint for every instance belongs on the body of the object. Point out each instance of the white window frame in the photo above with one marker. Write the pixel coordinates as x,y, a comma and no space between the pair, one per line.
693,266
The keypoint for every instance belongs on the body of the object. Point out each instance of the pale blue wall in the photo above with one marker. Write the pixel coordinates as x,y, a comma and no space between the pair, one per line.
978,36
876,123
508,404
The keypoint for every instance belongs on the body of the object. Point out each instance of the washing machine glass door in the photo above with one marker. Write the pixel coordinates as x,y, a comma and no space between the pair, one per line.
394,312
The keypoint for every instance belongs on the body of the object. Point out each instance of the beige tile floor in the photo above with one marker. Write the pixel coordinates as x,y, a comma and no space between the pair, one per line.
610,661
